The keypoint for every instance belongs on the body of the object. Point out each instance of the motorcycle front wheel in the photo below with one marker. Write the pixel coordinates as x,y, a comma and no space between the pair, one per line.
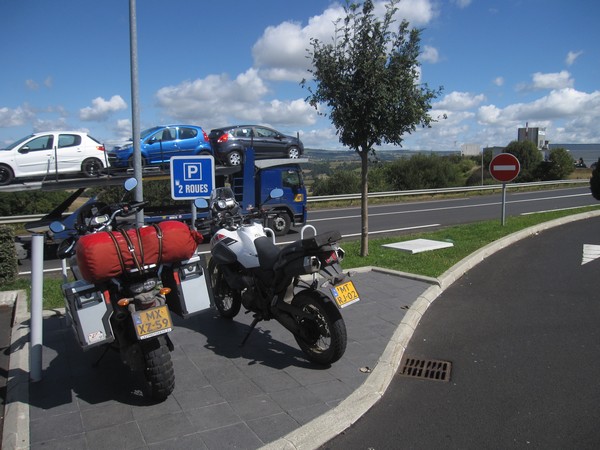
324,334
228,301
159,371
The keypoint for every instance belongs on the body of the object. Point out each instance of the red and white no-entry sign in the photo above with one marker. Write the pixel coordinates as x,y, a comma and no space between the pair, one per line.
505,167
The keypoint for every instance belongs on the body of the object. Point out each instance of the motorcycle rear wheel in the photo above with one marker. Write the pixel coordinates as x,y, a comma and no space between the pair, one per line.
326,338
159,371
228,301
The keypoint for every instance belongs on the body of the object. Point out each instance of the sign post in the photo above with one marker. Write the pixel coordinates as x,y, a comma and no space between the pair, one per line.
504,167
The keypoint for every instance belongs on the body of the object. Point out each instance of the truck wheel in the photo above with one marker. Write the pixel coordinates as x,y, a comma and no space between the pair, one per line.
234,158
294,153
281,223
6,175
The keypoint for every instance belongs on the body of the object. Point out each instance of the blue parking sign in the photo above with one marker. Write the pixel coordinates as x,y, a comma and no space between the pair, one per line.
192,177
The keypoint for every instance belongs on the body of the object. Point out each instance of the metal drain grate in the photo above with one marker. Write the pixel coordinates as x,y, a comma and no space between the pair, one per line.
427,369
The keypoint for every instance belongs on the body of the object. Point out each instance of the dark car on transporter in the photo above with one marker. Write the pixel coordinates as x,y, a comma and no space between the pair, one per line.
159,144
229,143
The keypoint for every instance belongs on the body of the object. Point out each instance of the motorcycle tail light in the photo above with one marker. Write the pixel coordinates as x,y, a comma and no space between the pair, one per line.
340,254
331,258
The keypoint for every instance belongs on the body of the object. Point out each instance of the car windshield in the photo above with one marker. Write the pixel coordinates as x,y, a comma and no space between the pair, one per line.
19,142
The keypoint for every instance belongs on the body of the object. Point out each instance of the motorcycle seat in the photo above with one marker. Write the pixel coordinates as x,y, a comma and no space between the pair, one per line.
267,251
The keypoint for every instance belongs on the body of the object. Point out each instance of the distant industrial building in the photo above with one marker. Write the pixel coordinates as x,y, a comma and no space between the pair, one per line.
535,135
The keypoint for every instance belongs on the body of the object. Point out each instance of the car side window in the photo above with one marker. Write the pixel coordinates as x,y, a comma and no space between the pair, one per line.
242,133
187,133
68,140
264,132
40,143
168,134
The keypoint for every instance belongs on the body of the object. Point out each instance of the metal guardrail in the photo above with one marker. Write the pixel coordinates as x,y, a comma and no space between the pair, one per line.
331,198
328,198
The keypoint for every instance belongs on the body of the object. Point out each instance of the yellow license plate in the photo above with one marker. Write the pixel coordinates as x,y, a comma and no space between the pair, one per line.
345,294
152,322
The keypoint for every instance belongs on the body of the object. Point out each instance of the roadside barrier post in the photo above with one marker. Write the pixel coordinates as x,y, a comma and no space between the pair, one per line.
37,285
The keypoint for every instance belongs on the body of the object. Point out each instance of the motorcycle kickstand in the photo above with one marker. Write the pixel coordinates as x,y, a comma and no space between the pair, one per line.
252,326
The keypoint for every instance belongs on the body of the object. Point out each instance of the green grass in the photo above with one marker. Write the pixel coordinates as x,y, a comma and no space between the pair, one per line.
466,239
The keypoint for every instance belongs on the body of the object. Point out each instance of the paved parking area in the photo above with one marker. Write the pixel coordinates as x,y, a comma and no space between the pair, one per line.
226,396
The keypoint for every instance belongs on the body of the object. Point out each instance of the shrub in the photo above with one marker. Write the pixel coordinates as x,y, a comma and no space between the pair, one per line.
8,255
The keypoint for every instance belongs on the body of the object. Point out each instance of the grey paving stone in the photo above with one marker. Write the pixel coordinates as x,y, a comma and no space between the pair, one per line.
329,391
189,442
276,381
273,427
256,407
165,427
238,436
104,416
75,442
121,436
294,398
213,416
198,398
53,427
237,389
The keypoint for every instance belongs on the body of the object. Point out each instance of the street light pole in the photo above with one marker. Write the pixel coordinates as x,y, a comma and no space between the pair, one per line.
135,113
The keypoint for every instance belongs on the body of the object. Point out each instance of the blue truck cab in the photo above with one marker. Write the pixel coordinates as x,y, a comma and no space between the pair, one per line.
258,178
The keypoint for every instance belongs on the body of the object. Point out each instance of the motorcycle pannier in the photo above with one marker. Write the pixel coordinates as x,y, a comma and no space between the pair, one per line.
101,256
188,280
90,311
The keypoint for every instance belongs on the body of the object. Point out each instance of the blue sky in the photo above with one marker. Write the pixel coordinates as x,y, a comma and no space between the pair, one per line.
501,63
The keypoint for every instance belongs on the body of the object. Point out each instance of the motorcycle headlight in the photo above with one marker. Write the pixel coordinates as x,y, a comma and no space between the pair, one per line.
98,220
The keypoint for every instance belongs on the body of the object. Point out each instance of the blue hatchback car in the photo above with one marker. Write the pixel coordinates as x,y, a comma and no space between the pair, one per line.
158,144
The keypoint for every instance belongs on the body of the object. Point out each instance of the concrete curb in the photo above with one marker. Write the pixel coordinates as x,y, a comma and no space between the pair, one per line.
325,427
15,433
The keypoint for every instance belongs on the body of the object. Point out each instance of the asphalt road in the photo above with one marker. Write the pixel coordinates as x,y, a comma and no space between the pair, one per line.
522,332
408,217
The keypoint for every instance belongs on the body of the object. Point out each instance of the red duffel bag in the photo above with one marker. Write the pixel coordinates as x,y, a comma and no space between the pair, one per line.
101,256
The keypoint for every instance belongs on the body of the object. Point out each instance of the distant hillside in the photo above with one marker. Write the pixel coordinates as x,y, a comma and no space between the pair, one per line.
350,155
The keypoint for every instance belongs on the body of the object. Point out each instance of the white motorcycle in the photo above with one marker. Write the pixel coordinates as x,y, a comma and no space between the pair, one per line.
301,285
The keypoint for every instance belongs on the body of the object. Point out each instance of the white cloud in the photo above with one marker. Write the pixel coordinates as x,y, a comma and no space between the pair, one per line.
32,85
218,100
462,3
571,57
498,81
430,54
101,109
556,80
459,101
281,52
15,117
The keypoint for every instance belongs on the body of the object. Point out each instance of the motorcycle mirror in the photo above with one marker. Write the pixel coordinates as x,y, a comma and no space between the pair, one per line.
201,203
276,193
130,184
57,227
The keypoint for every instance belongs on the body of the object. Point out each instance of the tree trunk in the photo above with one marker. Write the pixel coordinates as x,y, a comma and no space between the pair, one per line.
364,202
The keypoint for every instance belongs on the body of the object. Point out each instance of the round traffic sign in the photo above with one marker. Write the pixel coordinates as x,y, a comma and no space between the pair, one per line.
505,167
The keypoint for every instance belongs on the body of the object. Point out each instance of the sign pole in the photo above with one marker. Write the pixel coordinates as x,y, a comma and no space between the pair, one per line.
503,203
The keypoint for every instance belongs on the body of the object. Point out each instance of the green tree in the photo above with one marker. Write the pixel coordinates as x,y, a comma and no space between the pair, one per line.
529,157
367,80
560,164
424,172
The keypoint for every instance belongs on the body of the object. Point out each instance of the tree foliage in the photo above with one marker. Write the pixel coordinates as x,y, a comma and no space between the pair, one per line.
529,157
366,81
